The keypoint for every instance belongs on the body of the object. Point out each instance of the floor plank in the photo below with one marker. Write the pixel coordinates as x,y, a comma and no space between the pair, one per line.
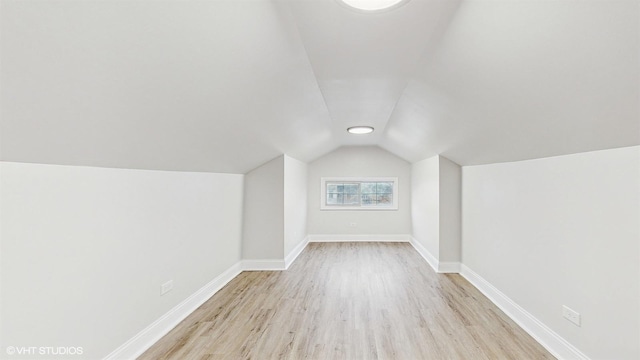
348,301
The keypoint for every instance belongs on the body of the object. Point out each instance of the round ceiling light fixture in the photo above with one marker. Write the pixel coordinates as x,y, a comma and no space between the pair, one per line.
372,5
360,130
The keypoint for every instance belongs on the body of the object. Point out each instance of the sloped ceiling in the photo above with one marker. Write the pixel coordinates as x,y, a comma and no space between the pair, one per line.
513,80
224,86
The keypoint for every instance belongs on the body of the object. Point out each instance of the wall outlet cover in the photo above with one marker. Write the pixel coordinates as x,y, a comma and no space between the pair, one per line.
166,287
571,315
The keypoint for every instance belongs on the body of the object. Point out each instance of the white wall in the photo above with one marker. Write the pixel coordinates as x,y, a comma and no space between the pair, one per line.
85,250
562,231
425,204
295,203
357,162
275,210
450,211
263,220
436,186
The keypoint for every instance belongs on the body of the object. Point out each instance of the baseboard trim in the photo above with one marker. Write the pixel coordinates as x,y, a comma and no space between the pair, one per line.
449,267
263,265
293,255
159,328
431,260
554,343
358,238
437,266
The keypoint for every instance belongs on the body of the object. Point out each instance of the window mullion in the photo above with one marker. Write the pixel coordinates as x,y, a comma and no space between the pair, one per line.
375,194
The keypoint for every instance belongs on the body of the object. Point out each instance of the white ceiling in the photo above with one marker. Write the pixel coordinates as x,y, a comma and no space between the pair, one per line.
226,85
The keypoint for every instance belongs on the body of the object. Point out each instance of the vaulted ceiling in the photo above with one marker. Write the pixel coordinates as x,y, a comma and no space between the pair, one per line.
224,86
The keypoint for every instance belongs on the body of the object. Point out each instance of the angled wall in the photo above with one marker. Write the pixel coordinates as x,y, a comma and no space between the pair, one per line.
275,213
263,220
85,250
436,212
425,204
450,219
562,231
295,204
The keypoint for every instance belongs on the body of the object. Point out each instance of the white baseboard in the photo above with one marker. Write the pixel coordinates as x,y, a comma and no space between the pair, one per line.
449,267
357,238
548,338
437,266
293,255
154,332
263,265
159,328
431,260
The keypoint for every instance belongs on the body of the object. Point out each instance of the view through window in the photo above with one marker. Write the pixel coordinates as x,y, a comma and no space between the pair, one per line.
366,193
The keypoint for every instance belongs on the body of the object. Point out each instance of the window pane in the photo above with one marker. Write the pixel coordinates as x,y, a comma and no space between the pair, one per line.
384,188
368,199
351,193
351,199
385,199
332,199
351,188
368,188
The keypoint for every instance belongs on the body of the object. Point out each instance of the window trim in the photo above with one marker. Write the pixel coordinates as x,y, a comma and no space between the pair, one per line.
323,193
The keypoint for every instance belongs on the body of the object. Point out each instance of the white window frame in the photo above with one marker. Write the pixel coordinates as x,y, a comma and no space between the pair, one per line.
323,193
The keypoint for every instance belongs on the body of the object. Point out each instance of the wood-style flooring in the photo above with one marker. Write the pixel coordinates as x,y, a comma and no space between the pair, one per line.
348,301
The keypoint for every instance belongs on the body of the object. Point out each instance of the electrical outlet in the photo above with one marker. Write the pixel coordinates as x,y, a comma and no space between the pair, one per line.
353,224
571,315
166,287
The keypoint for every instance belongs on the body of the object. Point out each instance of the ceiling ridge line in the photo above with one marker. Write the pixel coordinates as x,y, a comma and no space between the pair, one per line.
306,52
435,39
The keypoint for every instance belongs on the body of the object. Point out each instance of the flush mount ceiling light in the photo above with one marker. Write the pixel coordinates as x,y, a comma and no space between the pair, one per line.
360,130
372,5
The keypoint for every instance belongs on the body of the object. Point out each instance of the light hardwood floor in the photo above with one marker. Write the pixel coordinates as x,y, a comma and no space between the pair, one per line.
348,301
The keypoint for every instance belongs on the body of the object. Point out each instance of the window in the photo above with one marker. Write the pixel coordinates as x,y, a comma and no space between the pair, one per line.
359,193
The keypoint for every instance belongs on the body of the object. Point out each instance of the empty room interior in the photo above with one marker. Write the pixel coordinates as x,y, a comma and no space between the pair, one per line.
320,179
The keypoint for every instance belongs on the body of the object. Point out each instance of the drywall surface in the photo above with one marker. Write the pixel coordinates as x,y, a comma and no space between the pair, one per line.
562,231
171,85
359,161
295,203
85,250
450,211
425,204
263,222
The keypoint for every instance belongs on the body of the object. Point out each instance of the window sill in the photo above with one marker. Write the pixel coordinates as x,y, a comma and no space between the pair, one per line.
343,208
